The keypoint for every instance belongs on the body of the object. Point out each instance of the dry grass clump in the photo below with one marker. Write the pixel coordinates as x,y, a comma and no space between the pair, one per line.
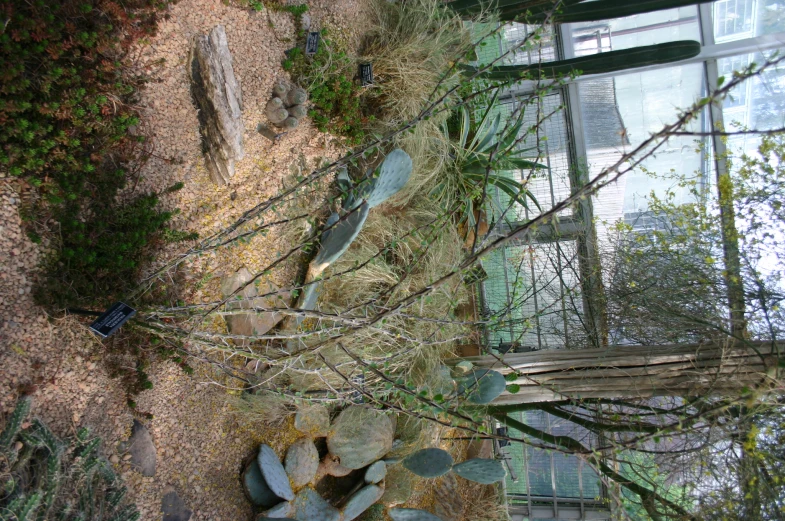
403,261
413,46
483,502
267,408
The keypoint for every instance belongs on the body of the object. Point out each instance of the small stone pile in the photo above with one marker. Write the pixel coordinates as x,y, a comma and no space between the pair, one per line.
358,439
287,107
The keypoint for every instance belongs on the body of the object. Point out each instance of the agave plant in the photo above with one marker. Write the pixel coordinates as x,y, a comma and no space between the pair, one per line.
481,153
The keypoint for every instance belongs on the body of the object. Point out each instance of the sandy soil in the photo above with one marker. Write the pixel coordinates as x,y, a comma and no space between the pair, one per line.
200,445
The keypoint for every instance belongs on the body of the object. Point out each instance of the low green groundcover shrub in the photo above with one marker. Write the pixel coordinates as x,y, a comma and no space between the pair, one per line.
67,121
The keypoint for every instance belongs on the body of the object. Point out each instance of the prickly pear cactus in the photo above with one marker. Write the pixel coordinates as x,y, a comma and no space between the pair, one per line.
376,472
313,420
392,175
361,501
256,487
301,462
281,510
482,386
340,238
309,506
360,436
481,470
412,514
429,463
274,473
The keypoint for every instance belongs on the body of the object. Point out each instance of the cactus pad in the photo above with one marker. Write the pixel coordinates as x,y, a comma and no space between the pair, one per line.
412,514
482,386
302,460
256,487
361,501
281,510
309,506
391,176
429,463
313,420
481,470
376,472
360,436
274,473
341,237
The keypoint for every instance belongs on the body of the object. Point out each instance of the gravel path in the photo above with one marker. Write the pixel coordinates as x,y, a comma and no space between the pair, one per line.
199,445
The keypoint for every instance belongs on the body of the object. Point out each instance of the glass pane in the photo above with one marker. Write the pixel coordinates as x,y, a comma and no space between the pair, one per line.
758,103
739,19
619,114
645,29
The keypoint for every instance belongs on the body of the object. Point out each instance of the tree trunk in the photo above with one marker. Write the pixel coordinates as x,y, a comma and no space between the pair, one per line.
629,372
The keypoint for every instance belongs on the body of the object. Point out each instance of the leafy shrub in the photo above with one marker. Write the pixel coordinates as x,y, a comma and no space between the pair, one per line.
334,93
99,256
44,477
66,127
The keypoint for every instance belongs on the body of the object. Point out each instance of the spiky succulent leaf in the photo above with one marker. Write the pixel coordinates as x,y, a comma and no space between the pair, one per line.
14,423
481,470
482,386
23,508
429,463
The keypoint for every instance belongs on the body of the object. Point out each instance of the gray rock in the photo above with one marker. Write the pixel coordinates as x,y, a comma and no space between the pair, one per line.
376,472
309,506
361,501
173,507
448,503
274,473
305,21
302,460
231,283
283,510
256,488
142,450
313,420
219,100
360,436
258,323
